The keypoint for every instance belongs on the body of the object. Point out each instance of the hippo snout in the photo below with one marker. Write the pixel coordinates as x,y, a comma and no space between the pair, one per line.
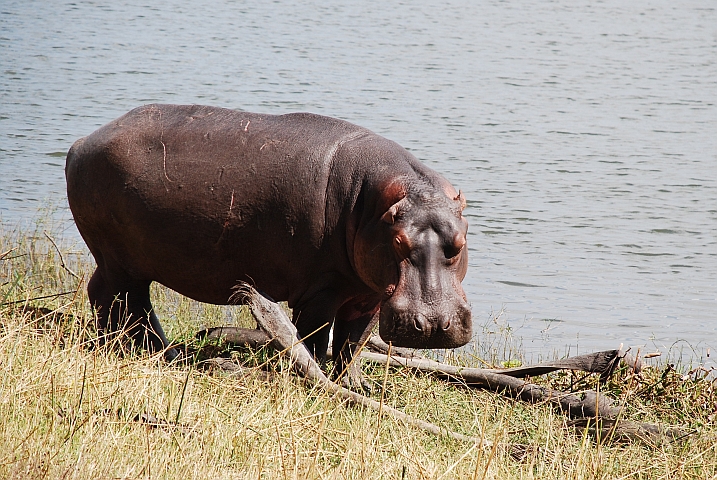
449,328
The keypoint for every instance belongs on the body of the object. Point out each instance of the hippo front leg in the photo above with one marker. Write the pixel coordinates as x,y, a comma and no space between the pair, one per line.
313,320
352,327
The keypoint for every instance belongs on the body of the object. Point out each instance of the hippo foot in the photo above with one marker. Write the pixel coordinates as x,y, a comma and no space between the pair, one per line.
354,380
173,355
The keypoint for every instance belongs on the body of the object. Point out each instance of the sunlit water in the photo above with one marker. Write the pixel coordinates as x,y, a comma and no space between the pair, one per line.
583,133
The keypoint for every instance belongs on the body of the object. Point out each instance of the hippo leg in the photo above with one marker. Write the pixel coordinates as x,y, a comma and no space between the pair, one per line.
123,306
316,339
313,320
353,325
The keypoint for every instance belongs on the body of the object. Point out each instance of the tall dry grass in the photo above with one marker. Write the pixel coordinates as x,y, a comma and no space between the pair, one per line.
70,411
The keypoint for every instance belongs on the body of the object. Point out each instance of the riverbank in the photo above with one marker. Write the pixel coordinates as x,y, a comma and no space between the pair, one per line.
74,412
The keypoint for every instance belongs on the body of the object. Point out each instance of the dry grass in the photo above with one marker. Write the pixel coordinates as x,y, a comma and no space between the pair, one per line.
69,411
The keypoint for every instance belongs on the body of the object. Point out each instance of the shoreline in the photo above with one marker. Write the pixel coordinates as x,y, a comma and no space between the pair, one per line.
494,331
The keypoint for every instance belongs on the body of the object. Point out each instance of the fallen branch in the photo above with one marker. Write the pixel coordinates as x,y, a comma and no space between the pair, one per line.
506,381
272,319
594,412
498,380
593,405
603,363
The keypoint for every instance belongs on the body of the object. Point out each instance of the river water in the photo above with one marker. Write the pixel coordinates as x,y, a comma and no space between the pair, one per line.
583,133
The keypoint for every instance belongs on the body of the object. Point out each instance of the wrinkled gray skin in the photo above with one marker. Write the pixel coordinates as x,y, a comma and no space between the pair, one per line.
345,225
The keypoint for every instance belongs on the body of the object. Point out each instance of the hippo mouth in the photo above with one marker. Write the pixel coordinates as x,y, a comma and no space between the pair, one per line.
419,330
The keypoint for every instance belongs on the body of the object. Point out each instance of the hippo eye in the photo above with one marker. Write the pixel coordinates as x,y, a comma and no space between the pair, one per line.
451,251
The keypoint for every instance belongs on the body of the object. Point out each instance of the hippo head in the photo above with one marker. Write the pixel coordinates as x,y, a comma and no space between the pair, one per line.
412,249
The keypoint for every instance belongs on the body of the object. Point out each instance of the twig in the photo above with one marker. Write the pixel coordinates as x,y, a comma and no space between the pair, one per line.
181,400
37,298
383,388
62,260
15,256
5,254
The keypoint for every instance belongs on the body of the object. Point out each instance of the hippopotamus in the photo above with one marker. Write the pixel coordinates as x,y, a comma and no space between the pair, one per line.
346,226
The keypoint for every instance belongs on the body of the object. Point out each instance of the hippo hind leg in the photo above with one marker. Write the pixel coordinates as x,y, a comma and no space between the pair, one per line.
124,309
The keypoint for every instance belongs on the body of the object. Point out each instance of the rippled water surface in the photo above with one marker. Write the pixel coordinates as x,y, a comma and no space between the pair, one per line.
583,133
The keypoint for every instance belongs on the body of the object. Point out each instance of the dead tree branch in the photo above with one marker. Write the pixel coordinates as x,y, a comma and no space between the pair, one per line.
593,412
272,319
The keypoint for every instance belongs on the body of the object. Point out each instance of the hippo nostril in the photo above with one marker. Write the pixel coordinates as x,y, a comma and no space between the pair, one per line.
445,324
419,323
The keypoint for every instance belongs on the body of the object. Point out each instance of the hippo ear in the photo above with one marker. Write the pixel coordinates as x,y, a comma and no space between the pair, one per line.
390,215
461,199
451,192
393,195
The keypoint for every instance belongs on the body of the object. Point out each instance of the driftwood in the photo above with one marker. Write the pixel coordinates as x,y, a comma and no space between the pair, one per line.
499,380
593,412
603,363
507,381
272,319
592,405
